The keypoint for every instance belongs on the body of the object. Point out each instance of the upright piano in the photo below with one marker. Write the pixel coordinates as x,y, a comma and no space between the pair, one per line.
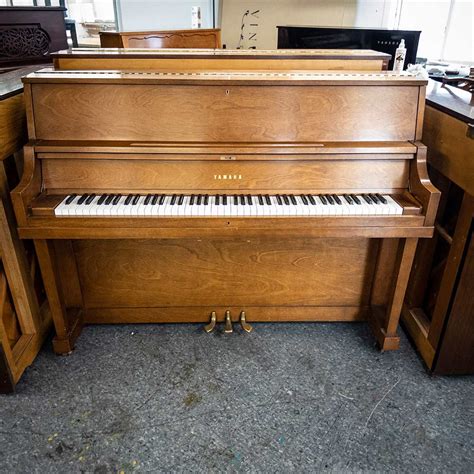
219,59
212,196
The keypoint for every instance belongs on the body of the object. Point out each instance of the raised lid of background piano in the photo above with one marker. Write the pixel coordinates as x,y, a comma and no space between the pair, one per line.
260,54
219,59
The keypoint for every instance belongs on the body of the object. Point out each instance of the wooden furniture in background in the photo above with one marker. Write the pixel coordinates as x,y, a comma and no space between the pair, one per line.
196,38
223,59
439,308
23,326
28,35
384,40
236,134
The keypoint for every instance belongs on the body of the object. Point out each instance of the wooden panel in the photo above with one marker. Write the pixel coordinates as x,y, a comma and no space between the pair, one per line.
13,125
217,64
259,272
456,355
224,113
200,314
195,38
450,150
278,175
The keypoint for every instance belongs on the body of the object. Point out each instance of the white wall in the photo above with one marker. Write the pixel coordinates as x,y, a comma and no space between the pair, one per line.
362,13
139,15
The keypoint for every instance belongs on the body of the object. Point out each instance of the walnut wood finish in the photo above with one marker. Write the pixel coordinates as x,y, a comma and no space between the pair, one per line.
219,60
167,132
438,311
195,38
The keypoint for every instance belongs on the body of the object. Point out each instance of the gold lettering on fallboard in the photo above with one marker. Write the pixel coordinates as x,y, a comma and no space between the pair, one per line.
233,177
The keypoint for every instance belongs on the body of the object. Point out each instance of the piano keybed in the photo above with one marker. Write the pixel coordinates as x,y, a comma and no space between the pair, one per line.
224,205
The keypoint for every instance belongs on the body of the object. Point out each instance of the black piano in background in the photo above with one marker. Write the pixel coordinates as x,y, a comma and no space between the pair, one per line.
319,37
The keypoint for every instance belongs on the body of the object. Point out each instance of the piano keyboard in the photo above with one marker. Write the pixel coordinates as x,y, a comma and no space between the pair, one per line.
222,205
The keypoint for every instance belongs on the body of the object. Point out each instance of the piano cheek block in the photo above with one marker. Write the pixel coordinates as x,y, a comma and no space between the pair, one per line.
322,225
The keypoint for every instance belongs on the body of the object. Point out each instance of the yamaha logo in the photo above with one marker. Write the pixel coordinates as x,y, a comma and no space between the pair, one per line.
228,176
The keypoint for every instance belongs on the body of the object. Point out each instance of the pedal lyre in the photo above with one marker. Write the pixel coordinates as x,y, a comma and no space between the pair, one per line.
212,323
228,323
245,325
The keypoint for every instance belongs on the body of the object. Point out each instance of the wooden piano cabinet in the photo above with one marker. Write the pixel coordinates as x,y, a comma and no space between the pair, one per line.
439,309
23,326
215,59
195,38
225,133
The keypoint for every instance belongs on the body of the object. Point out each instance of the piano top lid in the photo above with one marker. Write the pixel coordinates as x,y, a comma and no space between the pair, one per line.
187,53
49,75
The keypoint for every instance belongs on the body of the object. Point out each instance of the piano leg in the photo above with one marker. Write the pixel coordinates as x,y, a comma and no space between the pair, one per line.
384,322
67,322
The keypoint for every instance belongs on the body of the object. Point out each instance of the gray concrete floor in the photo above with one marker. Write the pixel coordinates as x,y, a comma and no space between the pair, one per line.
285,398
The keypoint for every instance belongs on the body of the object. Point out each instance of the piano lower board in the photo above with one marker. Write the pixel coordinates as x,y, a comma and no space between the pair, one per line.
200,314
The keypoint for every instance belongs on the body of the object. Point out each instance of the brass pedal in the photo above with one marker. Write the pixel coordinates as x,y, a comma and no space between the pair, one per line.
245,325
228,323
212,323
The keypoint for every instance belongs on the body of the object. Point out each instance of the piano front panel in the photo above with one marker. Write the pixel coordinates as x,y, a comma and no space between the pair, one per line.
217,113
323,175
211,272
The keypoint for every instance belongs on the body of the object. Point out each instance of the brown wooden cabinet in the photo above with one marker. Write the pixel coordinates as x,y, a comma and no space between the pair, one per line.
196,38
439,309
24,320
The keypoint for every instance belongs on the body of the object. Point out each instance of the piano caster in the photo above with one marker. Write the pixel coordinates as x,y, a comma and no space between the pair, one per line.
228,323
212,323
245,325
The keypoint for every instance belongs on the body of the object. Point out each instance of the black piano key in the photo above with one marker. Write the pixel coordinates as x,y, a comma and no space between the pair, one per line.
236,200
329,199
293,200
90,199
279,200
224,199
173,199
136,199
147,200
367,199
355,199
162,199
109,199
268,200
348,199
154,199
217,200
323,199
336,198
311,199
286,200
191,199
70,198
82,199
116,199
206,199
128,199
374,198
181,199
242,200
249,199
304,199
260,199
381,198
